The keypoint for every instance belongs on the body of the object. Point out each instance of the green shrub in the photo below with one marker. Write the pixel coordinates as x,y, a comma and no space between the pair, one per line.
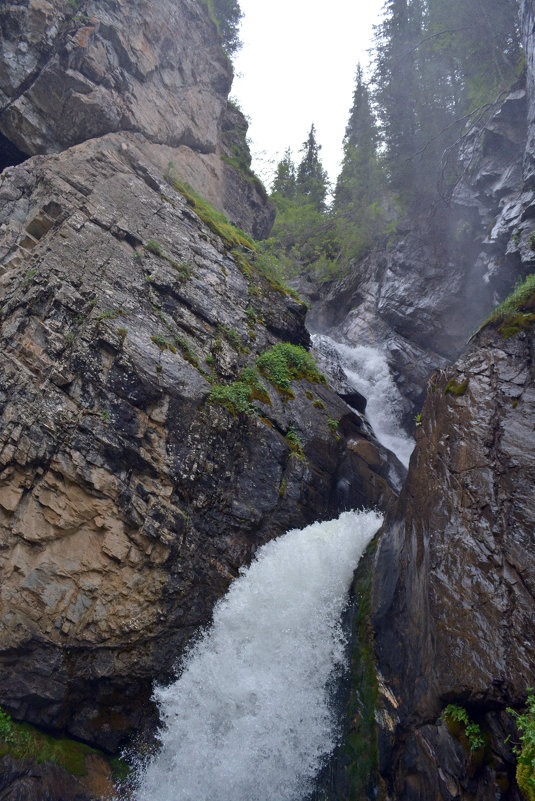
284,363
525,752
236,397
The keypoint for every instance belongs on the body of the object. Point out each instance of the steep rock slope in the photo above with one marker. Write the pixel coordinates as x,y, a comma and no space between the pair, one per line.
128,499
75,70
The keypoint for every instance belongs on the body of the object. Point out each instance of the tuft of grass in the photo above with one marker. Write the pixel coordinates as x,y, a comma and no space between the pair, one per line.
215,220
517,312
154,247
163,343
452,388
186,350
284,363
258,391
236,397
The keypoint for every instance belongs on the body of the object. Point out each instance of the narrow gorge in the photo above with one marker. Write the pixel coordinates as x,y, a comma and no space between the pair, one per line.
178,425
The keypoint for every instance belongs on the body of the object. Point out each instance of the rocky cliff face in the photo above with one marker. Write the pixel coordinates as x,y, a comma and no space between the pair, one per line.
140,465
73,70
453,594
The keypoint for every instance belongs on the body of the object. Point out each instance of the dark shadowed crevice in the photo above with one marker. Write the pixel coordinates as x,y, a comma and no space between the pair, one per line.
10,154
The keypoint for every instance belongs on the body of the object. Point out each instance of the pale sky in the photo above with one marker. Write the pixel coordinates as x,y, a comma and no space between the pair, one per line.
297,67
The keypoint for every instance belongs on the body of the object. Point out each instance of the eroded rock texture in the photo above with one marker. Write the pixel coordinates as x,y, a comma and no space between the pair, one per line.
73,71
127,500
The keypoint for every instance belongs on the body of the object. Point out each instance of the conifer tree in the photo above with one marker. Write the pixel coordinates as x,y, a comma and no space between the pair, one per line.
360,218
284,183
311,183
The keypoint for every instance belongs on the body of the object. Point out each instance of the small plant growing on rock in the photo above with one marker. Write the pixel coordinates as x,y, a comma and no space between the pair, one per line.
6,726
154,247
294,441
525,752
333,425
418,419
458,720
455,388
285,362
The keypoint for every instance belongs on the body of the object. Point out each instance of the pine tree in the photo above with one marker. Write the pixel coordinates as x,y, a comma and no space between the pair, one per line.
311,182
284,183
435,61
357,207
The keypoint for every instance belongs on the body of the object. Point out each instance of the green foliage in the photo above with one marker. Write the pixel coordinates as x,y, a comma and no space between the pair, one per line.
226,14
294,441
215,220
30,275
284,363
258,391
23,741
6,727
284,183
517,312
154,247
418,419
437,63
163,343
525,752
187,351
455,388
109,314
454,714
232,336
236,397
311,178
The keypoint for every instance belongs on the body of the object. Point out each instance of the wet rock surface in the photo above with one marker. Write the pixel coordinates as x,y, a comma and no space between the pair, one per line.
454,593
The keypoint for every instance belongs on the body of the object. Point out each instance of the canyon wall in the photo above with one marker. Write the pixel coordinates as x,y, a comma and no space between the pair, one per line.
141,467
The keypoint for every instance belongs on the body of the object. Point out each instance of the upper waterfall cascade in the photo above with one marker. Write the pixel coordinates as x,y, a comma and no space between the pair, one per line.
250,718
366,369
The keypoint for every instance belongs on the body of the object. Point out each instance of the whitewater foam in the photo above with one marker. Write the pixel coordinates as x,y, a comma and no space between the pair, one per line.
250,718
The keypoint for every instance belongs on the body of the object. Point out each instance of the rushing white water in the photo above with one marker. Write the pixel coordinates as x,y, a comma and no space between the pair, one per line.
367,371
250,718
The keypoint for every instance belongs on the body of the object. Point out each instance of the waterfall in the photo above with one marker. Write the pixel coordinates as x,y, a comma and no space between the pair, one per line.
249,718
367,371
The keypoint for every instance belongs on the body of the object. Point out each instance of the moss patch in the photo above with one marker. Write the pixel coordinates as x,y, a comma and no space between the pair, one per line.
215,220
24,741
455,388
360,743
